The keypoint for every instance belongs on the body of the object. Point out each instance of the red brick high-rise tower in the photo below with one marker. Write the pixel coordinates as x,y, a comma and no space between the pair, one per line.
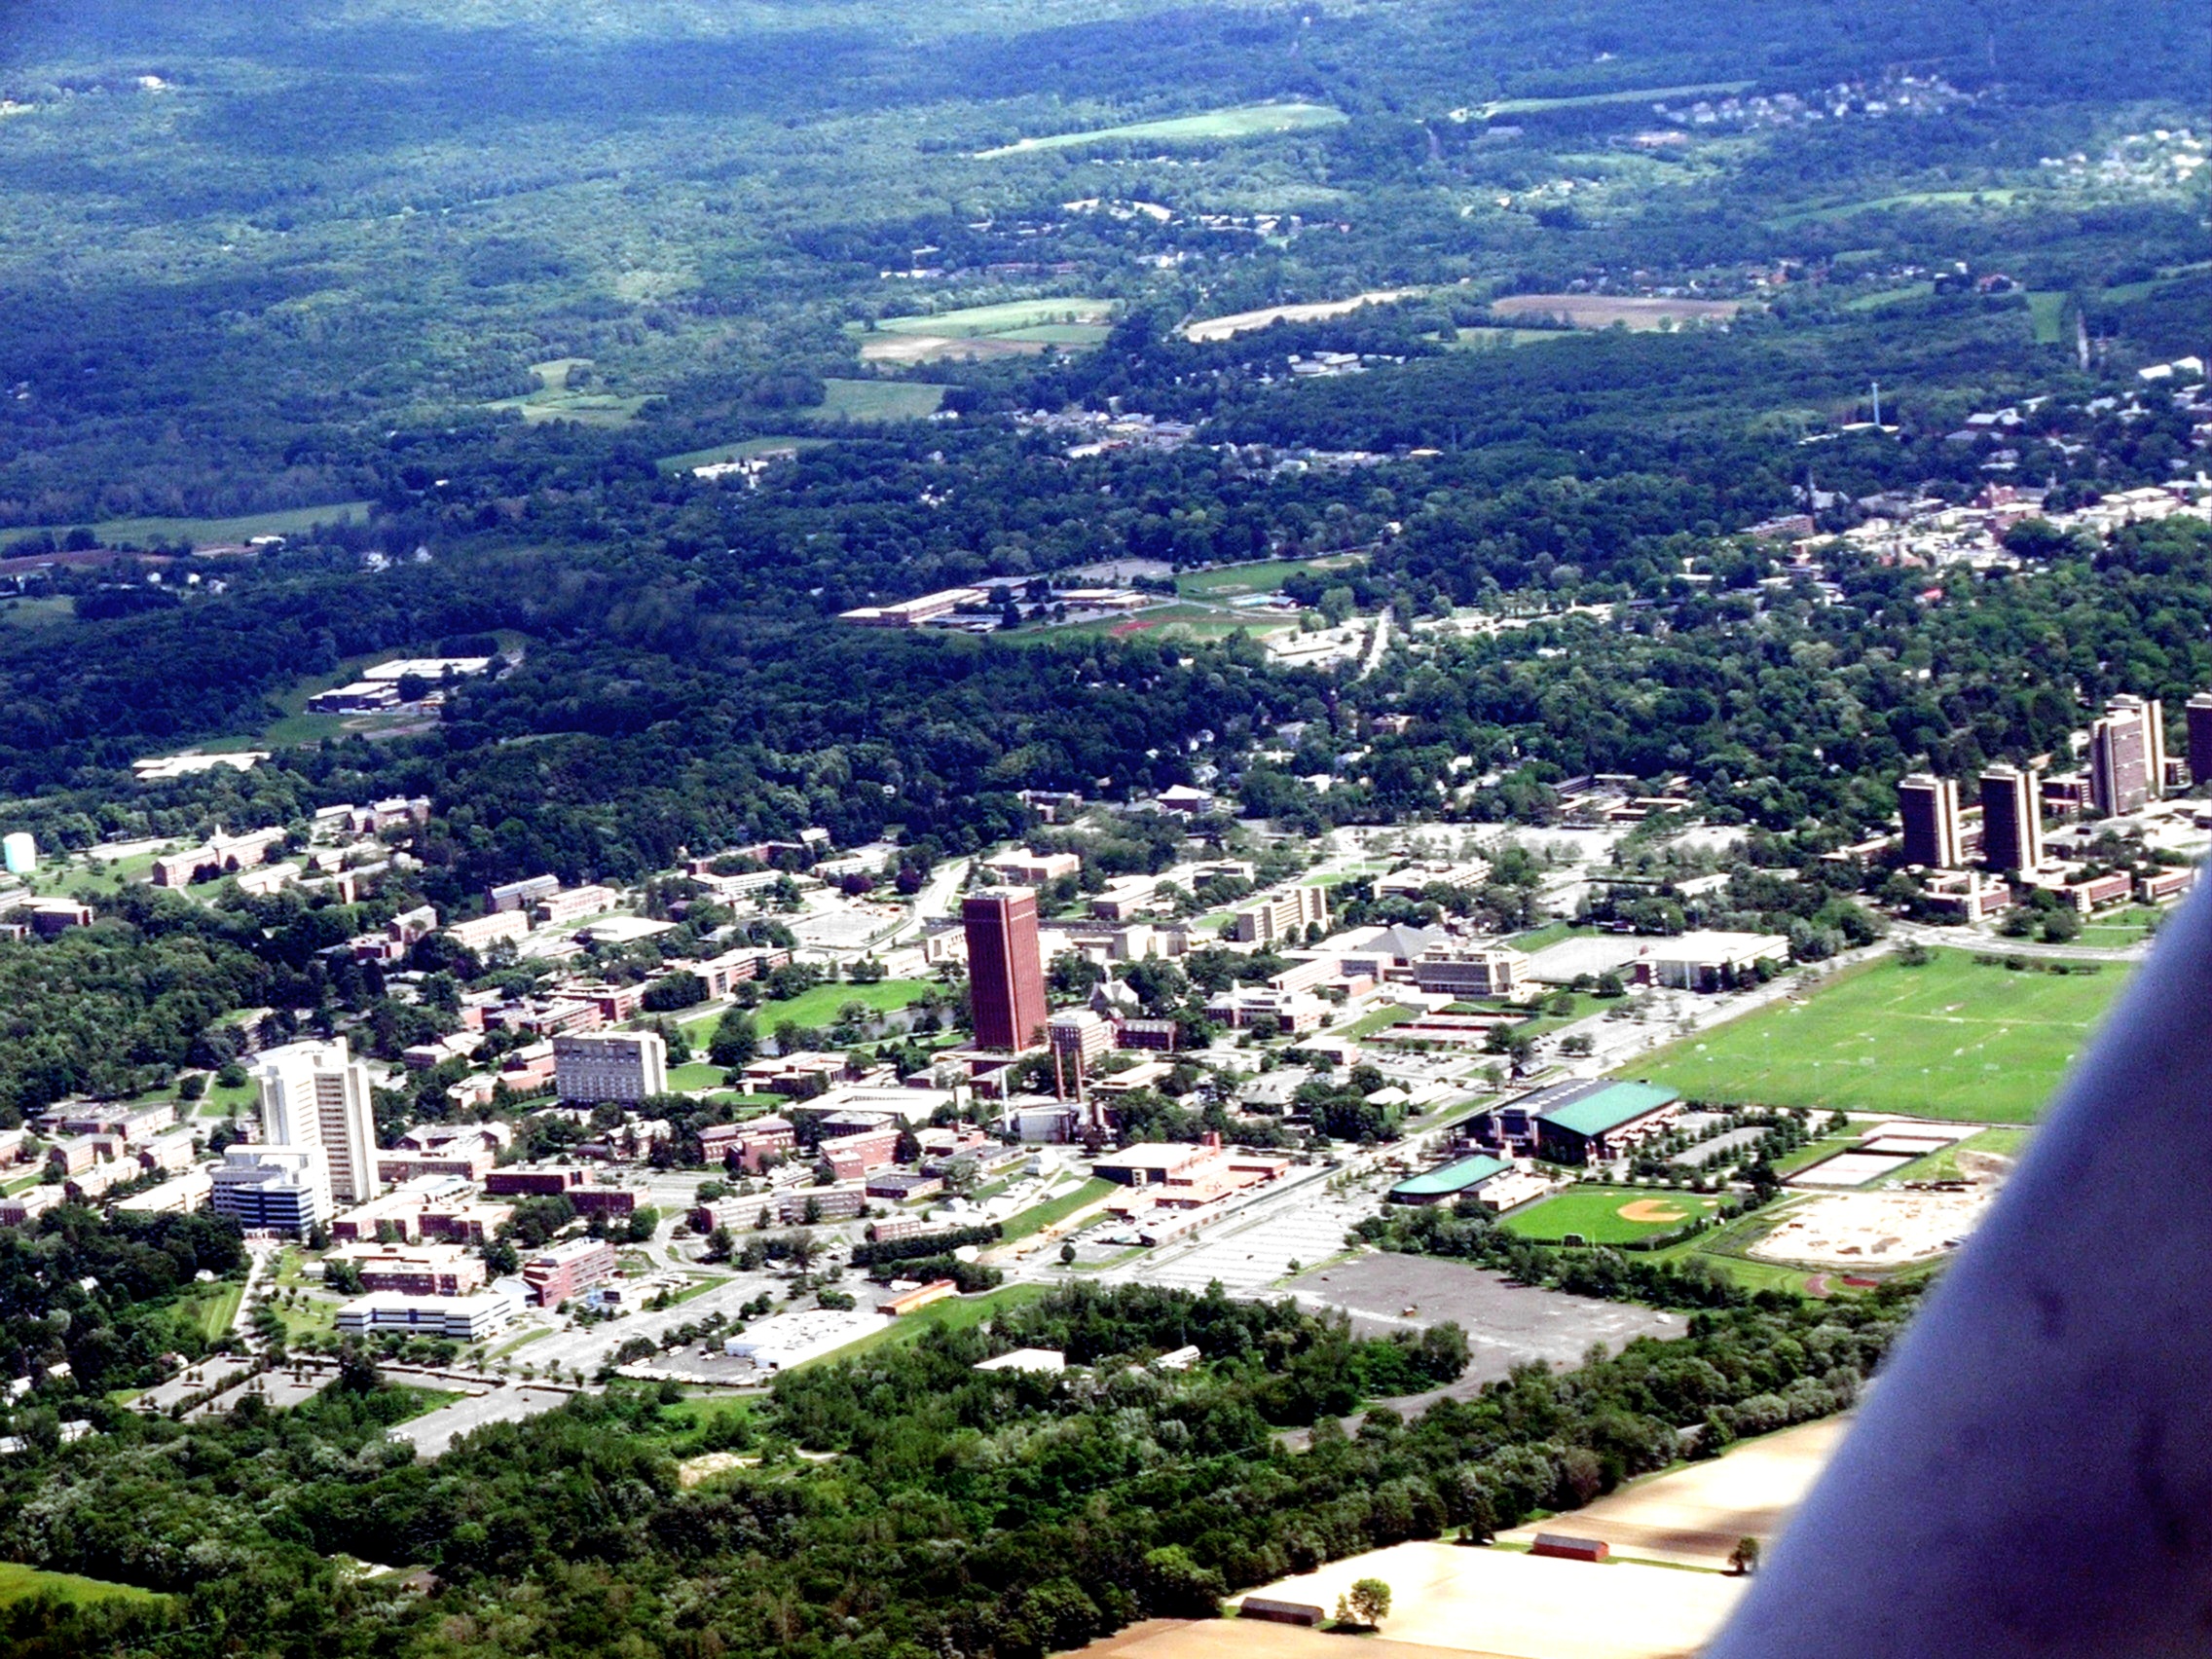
1005,977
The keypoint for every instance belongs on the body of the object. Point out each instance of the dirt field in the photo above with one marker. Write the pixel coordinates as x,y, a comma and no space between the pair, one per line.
1875,1230
1506,1324
1244,323
1602,311
1694,1516
1495,1603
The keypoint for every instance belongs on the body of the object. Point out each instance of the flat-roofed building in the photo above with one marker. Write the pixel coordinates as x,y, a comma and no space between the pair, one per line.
429,1270
1463,971
1006,976
2011,820
1284,917
1706,961
2127,757
481,933
318,1094
1578,1122
2200,715
596,1066
274,1189
1021,868
455,1318
562,1273
1932,834
521,895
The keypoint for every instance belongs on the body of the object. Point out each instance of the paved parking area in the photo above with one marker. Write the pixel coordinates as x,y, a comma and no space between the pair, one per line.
193,1379
1248,1257
1507,1324
432,1433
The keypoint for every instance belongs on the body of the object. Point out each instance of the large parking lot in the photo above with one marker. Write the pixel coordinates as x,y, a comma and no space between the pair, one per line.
1248,1257
1506,1324
435,1431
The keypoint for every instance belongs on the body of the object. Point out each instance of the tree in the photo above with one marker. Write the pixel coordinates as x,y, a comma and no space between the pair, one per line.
717,1246
1744,1559
1367,1602
1067,1255
736,1040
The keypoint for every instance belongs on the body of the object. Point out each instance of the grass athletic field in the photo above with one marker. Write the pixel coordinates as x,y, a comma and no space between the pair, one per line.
1608,1215
1953,1038
1246,121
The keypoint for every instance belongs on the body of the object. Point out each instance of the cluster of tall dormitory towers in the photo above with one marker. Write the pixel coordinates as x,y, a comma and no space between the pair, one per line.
2127,771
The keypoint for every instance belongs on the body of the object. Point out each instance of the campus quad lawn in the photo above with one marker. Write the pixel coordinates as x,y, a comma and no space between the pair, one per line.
1953,1038
1595,1214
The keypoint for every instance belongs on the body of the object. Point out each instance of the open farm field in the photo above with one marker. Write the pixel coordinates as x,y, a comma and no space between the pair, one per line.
200,532
905,349
1602,311
19,1583
1244,323
1219,125
867,401
1692,1516
1479,338
1608,1215
1955,1038
972,321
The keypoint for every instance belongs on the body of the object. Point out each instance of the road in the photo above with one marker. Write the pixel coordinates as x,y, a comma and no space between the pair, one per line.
936,898
1961,938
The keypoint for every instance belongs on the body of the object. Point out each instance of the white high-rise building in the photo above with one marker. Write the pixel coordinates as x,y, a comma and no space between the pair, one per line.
316,1095
18,851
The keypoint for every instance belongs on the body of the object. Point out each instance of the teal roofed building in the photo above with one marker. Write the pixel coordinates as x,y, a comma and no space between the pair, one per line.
1450,1181
1589,1121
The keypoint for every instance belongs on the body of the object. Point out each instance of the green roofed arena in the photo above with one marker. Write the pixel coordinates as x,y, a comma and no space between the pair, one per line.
1578,1122
1451,1181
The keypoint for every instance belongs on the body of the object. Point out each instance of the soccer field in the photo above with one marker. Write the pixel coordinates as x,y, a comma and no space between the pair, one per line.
1955,1038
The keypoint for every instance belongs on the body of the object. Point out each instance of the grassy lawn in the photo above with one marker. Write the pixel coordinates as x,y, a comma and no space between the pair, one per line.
1179,621
1907,198
820,1006
1551,932
1594,1213
212,1309
875,400
311,1316
523,1340
698,1410
745,449
697,1075
1246,121
20,1583
1381,1019
1953,1038
38,613
1266,575
2047,314
1890,297
1037,1217
954,1313
2117,929
1944,1165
